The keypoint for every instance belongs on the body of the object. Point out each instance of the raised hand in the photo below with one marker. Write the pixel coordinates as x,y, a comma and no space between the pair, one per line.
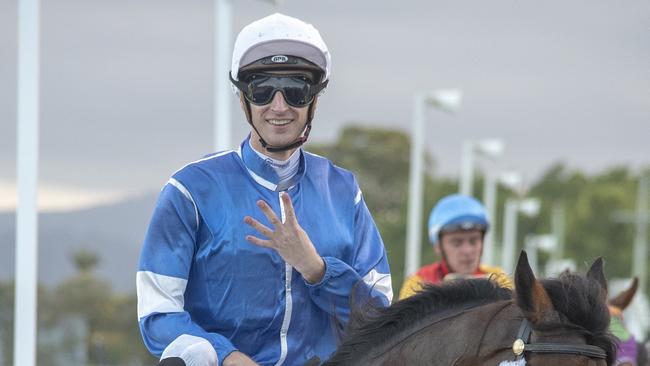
288,239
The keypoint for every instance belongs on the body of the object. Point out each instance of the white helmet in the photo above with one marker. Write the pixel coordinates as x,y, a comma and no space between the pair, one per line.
278,34
281,42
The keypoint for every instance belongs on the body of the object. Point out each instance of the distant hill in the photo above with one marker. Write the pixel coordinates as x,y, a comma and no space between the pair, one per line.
113,232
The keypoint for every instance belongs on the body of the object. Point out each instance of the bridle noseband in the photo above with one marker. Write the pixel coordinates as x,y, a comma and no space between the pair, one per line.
521,345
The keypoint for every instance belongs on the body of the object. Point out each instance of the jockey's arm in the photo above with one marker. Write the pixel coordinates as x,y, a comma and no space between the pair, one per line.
161,281
365,280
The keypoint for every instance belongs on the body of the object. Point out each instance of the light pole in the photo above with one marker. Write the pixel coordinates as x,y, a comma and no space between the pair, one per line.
27,172
492,148
558,219
533,243
529,207
446,100
223,47
510,179
641,218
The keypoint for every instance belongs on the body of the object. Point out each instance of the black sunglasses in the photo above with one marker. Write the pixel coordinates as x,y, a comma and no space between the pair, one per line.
259,88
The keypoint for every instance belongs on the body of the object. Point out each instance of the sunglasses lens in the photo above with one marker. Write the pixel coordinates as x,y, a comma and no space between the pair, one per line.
297,95
261,94
296,90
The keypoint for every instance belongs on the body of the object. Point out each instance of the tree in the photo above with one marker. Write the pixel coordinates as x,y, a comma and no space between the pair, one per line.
113,335
6,322
379,159
85,261
590,203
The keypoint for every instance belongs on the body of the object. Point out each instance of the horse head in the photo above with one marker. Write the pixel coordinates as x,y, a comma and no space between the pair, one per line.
621,301
565,320
469,322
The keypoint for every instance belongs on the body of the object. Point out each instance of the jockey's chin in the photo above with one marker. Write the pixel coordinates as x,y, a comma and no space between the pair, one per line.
465,268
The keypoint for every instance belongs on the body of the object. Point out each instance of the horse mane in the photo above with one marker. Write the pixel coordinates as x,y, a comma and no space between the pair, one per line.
578,299
370,326
581,302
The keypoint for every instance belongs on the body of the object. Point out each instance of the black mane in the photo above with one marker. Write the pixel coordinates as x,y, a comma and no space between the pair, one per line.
369,327
580,302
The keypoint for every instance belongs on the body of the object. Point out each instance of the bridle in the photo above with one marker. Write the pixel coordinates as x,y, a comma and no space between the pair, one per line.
521,345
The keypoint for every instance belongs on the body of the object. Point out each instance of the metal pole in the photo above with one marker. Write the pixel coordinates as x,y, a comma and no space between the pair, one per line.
509,235
641,237
467,168
27,174
558,219
414,216
489,199
223,48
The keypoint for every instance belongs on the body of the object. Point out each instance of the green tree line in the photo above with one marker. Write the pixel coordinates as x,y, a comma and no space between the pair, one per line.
380,160
110,333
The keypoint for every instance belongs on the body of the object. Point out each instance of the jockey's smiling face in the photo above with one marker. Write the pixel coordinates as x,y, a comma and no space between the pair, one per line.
278,122
461,250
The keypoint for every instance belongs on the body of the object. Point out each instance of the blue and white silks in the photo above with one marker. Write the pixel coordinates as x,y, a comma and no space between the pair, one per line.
198,276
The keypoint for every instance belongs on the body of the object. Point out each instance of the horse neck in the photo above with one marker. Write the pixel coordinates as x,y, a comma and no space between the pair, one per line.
459,334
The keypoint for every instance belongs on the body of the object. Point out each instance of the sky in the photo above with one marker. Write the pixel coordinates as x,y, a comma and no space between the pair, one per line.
127,93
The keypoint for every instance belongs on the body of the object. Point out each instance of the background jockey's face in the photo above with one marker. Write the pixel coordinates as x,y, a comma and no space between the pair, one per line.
279,124
462,250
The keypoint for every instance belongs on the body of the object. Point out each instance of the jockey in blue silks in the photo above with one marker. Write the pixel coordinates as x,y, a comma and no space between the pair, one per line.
252,254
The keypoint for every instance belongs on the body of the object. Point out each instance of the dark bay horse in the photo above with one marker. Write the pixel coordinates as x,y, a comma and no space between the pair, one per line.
555,322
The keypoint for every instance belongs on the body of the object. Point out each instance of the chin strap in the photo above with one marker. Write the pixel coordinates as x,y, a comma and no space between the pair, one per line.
297,143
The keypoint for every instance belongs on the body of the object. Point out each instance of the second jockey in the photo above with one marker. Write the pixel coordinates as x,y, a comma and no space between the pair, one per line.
457,227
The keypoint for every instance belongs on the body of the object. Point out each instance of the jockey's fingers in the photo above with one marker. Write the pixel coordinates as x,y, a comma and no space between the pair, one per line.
288,208
263,229
259,242
268,212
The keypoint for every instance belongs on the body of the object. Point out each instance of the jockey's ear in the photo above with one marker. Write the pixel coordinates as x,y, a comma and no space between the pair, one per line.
596,273
531,296
624,299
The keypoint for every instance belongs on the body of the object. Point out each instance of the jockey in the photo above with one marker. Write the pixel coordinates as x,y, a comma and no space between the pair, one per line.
457,227
252,254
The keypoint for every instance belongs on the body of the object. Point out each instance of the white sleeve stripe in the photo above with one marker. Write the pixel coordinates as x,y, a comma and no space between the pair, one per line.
159,293
380,282
357,199
187,195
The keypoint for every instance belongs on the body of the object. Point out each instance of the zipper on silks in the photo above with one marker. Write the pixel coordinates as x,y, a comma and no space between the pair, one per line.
288,270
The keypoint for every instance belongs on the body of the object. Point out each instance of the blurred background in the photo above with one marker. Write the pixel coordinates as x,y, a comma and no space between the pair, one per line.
550,121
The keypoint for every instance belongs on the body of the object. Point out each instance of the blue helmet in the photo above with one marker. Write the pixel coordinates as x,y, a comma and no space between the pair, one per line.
457,212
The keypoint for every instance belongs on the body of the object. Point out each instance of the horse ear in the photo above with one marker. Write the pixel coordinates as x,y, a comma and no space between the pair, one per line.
596,273
624,299
532,298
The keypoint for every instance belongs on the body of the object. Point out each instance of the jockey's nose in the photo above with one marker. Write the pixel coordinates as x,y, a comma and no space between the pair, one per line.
278,104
